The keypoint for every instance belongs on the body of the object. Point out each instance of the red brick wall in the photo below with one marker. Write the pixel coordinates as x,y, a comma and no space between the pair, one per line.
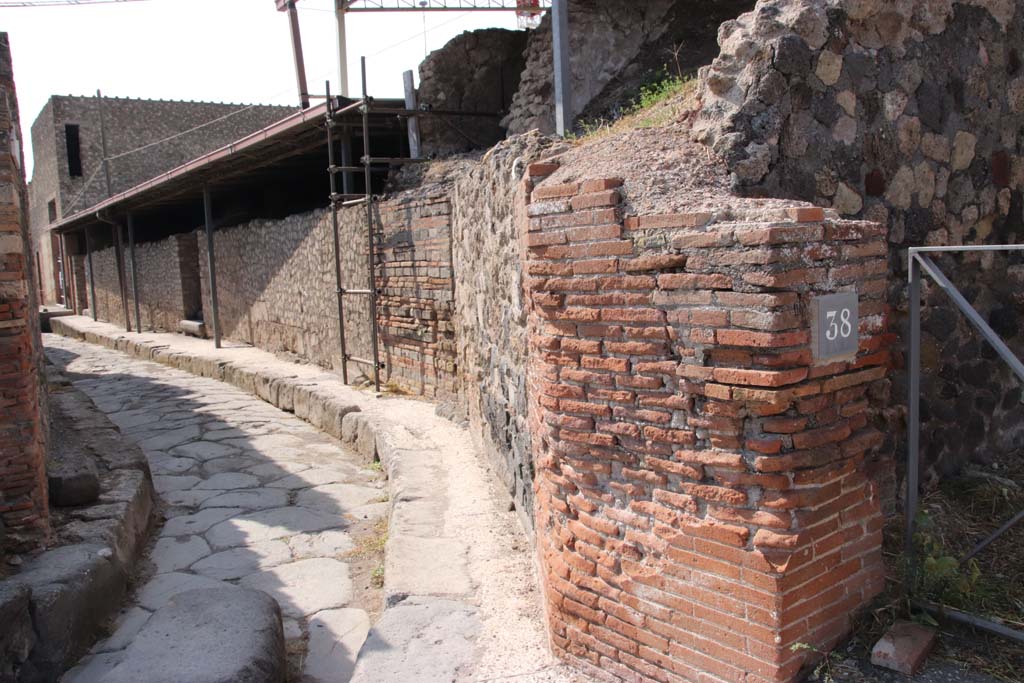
23,499
702,496
417,294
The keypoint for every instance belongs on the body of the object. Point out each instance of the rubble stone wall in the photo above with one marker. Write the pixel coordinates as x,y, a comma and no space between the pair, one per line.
490,315
617,46
477,71
24,510
704,498
168,280
276,284
909,114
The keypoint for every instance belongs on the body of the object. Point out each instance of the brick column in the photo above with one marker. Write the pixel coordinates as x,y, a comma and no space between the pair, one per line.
702,502
23,499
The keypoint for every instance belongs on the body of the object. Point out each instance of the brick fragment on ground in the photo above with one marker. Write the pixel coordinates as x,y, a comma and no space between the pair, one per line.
904,647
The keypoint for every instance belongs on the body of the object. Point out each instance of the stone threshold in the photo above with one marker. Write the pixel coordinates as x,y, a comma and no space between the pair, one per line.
427,583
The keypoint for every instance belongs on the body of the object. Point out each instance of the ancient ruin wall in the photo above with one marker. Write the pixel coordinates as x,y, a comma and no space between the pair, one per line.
703,500
490,314
167,273
604,39
276,285
23,496
477,71
909,114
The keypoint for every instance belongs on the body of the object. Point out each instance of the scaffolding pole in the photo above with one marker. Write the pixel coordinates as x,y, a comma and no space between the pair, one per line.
371,242
339,290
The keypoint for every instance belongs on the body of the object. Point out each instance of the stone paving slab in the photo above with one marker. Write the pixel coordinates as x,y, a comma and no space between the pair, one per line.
253,498
440,489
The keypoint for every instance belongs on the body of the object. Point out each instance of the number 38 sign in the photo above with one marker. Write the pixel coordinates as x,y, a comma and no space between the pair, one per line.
834,325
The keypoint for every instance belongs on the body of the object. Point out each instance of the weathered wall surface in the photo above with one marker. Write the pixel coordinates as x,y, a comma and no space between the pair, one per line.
477,71
168,282
604,38
617,46
23,495
277,288
909,114
490,313
130,124
703,496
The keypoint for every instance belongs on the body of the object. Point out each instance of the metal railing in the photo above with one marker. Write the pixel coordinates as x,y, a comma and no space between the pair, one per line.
920,261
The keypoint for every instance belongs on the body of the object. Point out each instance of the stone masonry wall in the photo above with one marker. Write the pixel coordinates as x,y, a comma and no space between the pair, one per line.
277,288
490,314
703,492
477,71
157,125
24,516
168,281
107,305
604,38
909,114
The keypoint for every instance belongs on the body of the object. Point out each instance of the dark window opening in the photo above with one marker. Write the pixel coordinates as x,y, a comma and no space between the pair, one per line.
74,145
51,209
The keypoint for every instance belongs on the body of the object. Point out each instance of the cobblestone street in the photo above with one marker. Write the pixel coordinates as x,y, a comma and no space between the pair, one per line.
252,496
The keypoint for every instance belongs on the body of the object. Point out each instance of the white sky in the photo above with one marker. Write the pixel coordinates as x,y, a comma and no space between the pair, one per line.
212,50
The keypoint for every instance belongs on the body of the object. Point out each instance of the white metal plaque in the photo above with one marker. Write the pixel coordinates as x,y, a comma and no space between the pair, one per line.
834,325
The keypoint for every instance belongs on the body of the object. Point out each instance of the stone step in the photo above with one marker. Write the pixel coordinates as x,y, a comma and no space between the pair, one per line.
208,635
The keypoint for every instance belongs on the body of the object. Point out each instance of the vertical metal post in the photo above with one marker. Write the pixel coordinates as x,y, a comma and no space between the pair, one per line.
414,122
135,278
339,12
562,64
371,257
300,64
103,142
339,290
914,412
92,274
347,179
115,227
211,261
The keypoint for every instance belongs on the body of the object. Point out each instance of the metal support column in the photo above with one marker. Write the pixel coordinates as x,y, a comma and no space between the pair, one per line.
913,412
92,274
562,65
300,64
339,290
371,257
135,278
414,122
339,12
211,261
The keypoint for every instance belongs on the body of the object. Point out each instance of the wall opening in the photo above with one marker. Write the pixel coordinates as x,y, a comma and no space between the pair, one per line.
51,210
73,143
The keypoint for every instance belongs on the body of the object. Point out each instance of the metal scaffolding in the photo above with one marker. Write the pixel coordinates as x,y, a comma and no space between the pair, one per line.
921,263
368,166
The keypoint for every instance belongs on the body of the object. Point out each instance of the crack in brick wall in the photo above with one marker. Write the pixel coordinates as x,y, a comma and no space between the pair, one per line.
703,492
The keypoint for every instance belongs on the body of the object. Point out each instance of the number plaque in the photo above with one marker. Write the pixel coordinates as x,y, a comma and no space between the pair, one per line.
834,323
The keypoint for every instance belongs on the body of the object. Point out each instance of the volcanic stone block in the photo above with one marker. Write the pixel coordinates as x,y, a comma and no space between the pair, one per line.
210,635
